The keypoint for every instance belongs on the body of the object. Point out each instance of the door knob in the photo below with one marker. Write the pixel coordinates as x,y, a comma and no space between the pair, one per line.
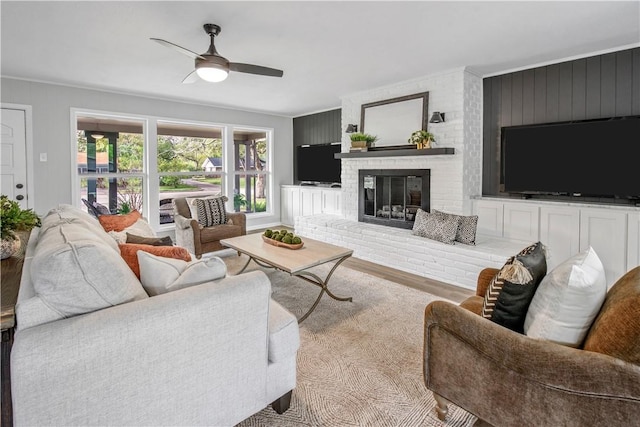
19,197
19,185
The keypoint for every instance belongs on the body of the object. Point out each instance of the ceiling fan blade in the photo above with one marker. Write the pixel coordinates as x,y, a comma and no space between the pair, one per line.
255,69
192,77
180,49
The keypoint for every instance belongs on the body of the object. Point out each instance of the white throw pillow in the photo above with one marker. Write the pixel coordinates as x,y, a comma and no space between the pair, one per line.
160,275
568,300
140,228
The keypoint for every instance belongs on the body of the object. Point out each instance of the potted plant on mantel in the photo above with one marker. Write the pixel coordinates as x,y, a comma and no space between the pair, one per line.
362,140
422,139
13,219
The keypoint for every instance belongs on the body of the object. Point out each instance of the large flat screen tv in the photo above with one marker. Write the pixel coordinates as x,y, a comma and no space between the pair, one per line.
316,163
599,158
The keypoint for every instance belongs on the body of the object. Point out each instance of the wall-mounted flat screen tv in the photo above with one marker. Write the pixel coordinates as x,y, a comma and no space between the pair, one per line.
316,163
599,158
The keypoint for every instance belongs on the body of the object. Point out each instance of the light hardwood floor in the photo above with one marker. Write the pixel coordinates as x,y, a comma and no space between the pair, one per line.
433,287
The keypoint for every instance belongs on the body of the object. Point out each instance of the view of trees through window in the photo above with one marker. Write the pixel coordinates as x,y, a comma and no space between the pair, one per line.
111,158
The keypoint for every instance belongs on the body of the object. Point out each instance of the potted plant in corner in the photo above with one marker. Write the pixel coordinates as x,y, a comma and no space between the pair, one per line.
362,140
422,139
13,219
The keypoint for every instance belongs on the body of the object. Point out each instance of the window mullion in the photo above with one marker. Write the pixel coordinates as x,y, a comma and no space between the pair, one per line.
152,185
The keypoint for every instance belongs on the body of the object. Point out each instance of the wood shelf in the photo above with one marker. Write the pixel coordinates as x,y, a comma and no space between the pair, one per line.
397,153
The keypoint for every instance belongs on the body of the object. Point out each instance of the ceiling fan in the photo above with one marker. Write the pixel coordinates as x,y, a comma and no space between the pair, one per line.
211,66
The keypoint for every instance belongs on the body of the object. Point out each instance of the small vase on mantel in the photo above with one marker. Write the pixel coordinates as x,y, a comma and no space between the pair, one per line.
9,247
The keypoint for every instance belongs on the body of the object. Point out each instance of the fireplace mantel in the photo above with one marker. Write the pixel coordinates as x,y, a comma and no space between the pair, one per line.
397,153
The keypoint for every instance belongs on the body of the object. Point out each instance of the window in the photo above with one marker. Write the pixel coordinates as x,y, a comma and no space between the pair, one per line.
109,160
118,166
190,163
251,171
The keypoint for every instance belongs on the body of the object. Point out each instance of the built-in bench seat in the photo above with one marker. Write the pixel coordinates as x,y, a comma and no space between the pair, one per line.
397,248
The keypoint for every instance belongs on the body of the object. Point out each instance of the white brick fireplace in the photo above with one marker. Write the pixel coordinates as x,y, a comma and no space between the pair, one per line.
454,178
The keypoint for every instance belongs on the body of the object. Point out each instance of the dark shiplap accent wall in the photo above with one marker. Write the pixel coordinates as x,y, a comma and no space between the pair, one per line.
319,128
590,88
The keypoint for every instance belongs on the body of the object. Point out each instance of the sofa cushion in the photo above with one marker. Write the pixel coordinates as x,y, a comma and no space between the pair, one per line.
129,252
153,241
160,275
616,330
568,300
510,292
436,227
118,222
219,232
211,211
75,272
71,214
474,304
284,336
140,228
467,227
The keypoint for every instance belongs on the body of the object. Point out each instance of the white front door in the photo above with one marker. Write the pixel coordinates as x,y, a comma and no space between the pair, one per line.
13,156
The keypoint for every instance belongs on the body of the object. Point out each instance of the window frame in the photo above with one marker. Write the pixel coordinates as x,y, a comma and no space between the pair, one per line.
151,176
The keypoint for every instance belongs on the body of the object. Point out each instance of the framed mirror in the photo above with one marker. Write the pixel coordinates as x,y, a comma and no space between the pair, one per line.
393,120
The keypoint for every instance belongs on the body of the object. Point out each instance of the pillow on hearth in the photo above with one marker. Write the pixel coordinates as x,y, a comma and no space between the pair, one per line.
118,222
153,241
466,230
129,252
159,275
140,228
510,292
436,227
211,211
568,300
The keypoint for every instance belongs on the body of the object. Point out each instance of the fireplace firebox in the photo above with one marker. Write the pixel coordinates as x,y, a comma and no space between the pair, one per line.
392,196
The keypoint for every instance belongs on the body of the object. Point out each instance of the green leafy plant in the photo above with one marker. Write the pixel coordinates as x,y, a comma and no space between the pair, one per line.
421,135
13,218
359,136
239,201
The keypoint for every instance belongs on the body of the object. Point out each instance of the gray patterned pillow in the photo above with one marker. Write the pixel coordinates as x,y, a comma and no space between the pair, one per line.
436,227
211,211
466,230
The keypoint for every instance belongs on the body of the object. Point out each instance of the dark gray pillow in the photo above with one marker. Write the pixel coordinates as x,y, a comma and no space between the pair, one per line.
510,292
436,227
153,241
466,230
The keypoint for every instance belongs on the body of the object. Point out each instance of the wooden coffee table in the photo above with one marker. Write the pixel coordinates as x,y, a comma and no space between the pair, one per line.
295,262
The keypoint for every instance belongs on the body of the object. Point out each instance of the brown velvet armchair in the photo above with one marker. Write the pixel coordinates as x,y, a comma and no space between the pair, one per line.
198,239
508,379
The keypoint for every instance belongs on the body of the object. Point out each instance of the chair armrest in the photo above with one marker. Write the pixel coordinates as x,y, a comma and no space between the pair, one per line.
488,370
123,365
182,222
484,278
239,218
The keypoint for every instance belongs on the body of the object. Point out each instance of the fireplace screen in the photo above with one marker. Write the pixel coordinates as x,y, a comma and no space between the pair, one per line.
393,197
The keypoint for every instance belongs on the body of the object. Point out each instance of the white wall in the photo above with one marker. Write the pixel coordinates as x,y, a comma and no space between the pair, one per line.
455,179
52,134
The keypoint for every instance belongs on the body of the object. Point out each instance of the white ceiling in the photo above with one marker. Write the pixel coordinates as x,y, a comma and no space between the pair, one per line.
326,49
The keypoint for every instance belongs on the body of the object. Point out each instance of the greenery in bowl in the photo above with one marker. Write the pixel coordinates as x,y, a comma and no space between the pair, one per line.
420,136
13,218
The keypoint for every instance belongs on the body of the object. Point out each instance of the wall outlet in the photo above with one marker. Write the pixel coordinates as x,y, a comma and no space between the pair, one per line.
43,157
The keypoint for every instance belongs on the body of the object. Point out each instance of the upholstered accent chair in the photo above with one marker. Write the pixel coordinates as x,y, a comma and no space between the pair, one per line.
507,379
197,239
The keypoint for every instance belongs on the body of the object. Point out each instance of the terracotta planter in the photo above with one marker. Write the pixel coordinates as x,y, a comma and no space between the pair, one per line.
9,247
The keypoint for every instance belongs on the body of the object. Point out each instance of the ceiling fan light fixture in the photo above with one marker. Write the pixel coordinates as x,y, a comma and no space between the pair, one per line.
212,74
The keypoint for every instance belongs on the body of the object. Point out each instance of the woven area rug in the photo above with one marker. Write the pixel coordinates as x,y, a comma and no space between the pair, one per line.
360,362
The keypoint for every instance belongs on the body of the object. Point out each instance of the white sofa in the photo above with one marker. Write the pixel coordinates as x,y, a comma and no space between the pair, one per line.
91,348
